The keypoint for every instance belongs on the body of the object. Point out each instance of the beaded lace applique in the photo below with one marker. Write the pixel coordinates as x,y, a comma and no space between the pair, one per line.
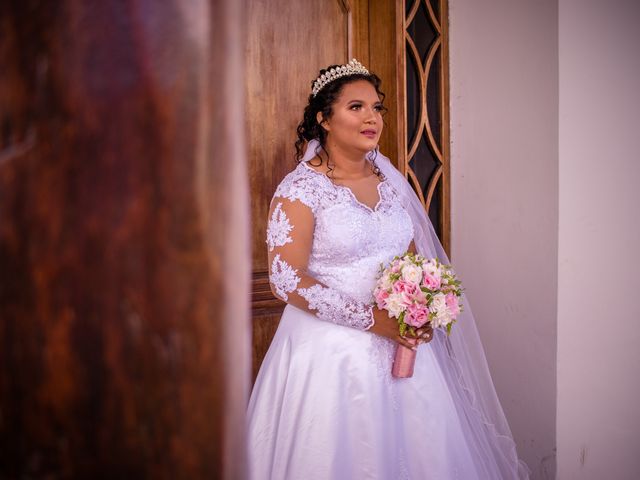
278,229
284,278
304,185
337,308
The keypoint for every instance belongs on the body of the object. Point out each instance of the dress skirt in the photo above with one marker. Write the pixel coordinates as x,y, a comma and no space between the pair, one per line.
325,406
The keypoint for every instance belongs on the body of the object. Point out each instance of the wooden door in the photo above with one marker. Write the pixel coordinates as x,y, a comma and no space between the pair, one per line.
288,42
123,236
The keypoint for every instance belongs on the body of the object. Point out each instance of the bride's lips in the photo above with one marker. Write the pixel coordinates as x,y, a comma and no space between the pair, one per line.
369,133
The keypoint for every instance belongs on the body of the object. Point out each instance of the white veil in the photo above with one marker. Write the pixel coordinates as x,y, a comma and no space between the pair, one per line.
460,355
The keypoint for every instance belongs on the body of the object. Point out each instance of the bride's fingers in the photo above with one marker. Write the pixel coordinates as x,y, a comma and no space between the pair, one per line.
421,332
425,337
424,332
403,341
413,334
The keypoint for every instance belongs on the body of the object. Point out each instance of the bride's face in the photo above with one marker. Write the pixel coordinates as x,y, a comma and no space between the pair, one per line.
356,118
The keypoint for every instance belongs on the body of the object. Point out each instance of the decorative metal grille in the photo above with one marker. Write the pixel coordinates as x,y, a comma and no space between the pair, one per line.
426,161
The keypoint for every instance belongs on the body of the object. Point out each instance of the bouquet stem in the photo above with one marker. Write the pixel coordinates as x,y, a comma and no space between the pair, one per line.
404,361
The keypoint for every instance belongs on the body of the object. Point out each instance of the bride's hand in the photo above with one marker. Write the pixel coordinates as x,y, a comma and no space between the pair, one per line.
424,334
386,326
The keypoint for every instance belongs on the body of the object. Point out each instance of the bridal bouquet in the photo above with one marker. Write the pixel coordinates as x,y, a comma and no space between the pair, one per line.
416,290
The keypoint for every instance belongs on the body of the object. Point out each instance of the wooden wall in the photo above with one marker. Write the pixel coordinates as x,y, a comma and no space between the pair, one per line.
124,251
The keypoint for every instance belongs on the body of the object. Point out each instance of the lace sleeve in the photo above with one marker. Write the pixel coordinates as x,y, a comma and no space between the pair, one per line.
289,240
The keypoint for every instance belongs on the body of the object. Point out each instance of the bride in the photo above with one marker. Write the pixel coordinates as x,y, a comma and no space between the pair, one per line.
324,405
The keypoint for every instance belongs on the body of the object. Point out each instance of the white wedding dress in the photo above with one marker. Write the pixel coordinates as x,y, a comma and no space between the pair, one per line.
324,405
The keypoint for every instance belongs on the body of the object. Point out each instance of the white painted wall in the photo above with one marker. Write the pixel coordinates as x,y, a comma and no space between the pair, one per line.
545,117
598,413
504,126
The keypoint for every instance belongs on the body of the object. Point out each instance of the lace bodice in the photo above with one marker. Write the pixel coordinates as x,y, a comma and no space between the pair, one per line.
326,247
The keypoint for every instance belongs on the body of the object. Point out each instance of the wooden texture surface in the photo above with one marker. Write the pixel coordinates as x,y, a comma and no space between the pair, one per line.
385,21
124,321
286,47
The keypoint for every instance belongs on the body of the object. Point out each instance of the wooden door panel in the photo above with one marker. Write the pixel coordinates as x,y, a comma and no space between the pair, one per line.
287,44
285,48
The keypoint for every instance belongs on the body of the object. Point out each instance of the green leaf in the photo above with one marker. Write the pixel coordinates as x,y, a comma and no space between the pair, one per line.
403,326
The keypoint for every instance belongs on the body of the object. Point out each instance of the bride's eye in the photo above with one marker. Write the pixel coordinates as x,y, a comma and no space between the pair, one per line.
379,108
355,106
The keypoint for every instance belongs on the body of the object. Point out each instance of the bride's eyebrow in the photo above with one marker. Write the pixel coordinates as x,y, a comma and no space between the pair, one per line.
377,102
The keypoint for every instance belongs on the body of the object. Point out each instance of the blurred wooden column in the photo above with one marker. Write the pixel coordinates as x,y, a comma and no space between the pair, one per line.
124,240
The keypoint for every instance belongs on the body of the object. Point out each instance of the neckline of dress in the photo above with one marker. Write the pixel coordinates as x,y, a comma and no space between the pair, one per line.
353,195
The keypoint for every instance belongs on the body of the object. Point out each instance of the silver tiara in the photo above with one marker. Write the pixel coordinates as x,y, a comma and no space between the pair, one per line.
352,68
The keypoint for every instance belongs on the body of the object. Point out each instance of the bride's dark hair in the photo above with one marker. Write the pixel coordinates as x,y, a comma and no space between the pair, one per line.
309,128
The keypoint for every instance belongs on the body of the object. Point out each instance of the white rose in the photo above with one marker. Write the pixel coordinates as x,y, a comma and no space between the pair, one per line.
412,273
444,318
395,305
430,268
386,283
438,303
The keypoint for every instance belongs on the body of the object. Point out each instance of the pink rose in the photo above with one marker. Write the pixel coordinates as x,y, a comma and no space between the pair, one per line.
402,286
417,315
381,298
452,304
431,282
408,291
419,297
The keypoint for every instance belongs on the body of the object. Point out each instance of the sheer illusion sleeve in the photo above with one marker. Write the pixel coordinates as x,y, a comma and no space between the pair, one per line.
289,240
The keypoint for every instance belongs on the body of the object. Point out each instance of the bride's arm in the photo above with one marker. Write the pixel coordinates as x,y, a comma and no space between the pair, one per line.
289,241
